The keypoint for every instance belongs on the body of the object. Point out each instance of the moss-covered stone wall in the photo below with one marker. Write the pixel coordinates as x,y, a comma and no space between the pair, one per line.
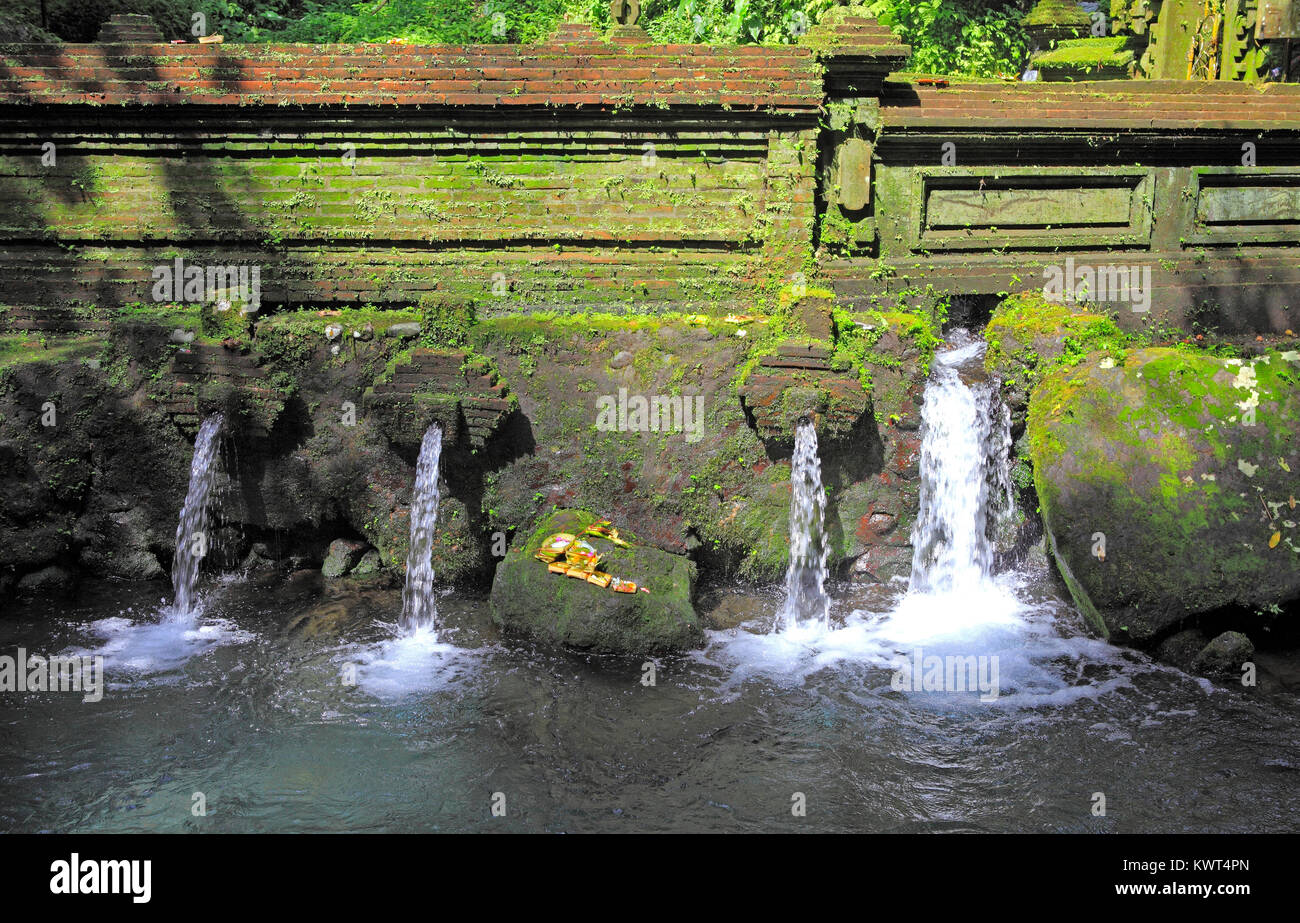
516,215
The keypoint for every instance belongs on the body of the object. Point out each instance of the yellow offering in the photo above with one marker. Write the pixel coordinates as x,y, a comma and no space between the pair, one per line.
580,558
554,547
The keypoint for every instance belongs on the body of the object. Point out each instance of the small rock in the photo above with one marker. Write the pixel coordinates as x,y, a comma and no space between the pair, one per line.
301,584
48,581
621,360
344,554
403,330
369,564
1225,655
333,331
365,334
326,620
734,610
1181,649
181,336
259,556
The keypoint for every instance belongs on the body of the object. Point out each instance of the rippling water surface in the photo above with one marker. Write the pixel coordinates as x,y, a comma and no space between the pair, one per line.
298,712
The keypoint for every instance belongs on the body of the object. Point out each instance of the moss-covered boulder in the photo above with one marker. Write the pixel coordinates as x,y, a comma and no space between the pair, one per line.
1027,336
528,599
1167,484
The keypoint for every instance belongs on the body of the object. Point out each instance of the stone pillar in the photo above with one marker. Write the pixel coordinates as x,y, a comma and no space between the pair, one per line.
130,28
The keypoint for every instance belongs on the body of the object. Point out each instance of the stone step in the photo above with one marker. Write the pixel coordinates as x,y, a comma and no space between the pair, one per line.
496,404
223,358
197,375
452,377
788,362
797,350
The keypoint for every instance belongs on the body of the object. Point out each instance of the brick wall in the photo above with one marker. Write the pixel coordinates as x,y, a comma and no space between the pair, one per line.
576,174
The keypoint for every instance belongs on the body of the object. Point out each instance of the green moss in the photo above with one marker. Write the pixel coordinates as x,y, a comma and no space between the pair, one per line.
445,322
1056,13
1146,447
525,597
1087,58
1027,336
23,349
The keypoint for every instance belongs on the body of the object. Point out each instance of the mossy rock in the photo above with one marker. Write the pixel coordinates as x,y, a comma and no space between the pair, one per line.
550,607
1027,336
1109,58
1185,466
1056,20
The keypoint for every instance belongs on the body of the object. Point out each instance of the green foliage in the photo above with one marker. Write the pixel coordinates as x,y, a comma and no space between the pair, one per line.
456,22
972,37
740,22
980,38
445,324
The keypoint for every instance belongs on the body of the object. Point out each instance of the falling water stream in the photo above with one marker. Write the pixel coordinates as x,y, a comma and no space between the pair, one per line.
419,606
806,601
965,484
192,537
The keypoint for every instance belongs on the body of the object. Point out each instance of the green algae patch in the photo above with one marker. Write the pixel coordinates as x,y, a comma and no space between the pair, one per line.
1166,484
23,349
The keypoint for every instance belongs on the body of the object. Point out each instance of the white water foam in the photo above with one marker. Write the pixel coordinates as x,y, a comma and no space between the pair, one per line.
165,645
413,663
145,647
955,607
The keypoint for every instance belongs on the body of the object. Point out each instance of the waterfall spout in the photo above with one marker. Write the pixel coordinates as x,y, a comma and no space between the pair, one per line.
805,578
965,483
192,538
419,608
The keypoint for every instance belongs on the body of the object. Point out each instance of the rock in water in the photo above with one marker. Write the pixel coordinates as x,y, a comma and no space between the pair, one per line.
49,581
553,607
1166,483
1181,649
344,554
1225,655
370,563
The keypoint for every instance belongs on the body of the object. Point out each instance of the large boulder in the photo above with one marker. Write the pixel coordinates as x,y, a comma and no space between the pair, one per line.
1167,484
528,599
